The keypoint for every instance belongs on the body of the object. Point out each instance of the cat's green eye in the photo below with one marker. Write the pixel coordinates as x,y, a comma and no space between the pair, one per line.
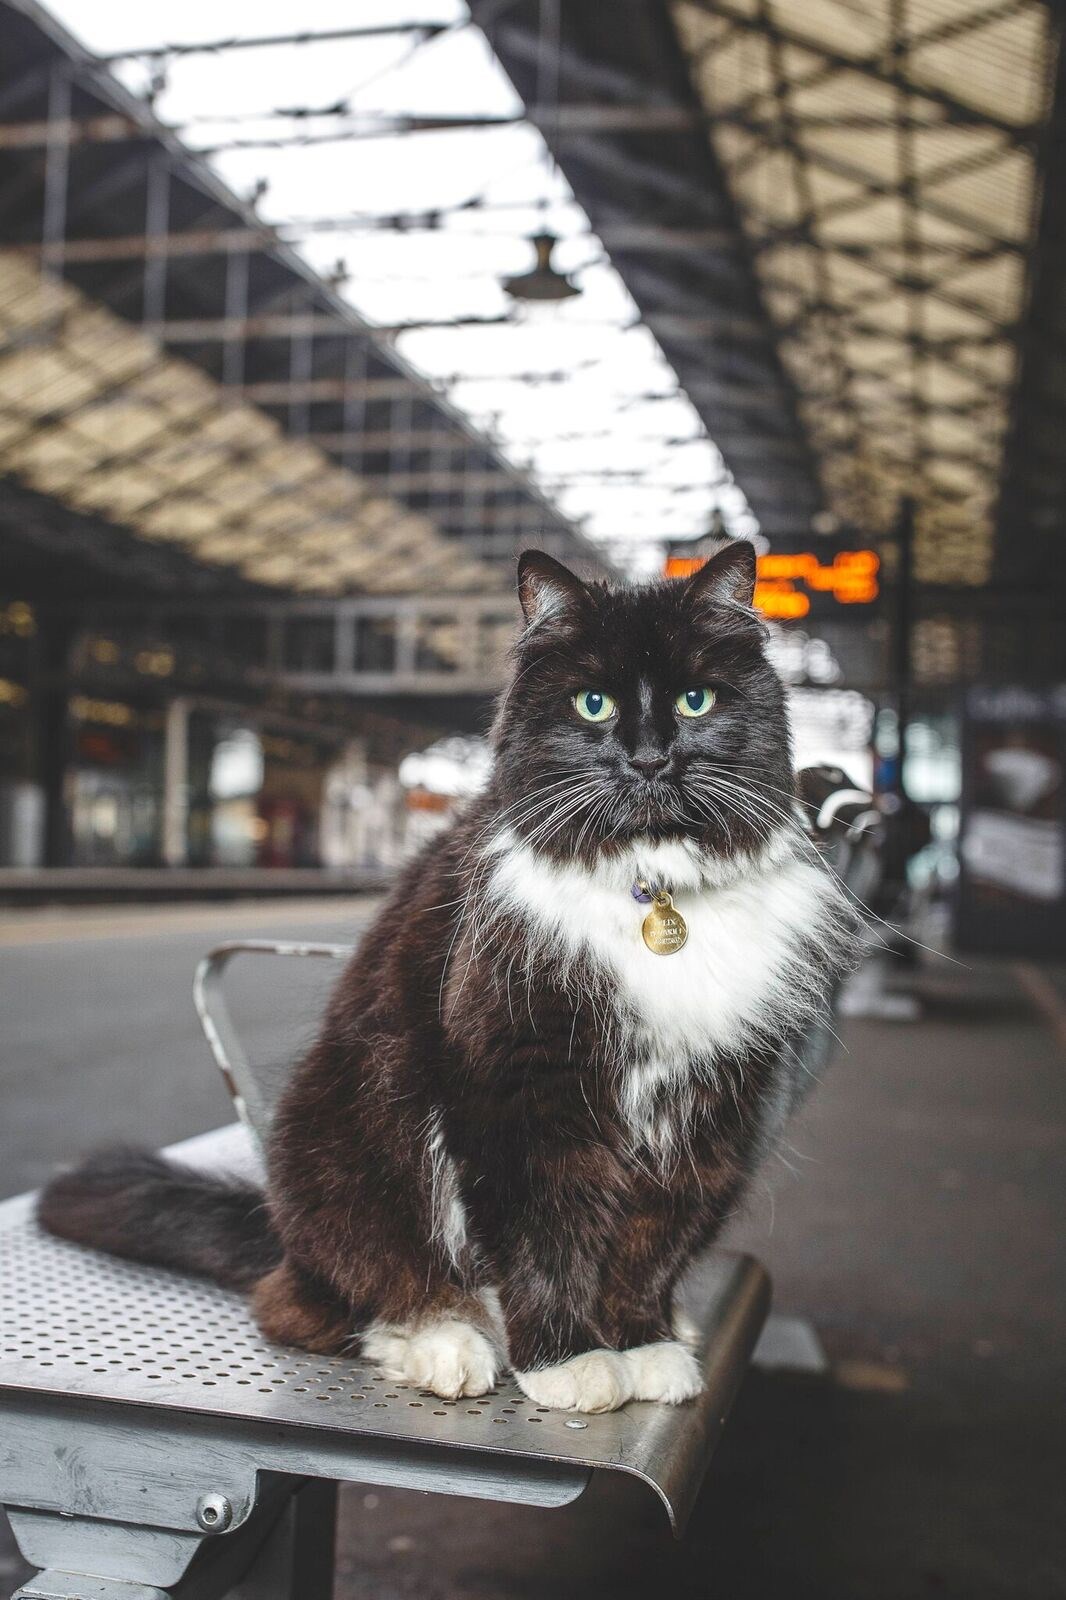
594,705
695,702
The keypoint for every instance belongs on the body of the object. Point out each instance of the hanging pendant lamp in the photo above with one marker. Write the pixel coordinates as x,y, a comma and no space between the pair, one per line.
544,283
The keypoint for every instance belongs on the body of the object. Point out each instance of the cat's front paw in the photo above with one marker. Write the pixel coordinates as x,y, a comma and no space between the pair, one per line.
597,1381
450,1358
666,1371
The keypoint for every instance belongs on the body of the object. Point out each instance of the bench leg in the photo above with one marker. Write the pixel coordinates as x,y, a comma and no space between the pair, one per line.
284,1551
297,1560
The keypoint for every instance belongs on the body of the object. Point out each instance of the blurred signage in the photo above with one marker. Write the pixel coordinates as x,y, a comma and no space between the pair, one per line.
794,583
1012,843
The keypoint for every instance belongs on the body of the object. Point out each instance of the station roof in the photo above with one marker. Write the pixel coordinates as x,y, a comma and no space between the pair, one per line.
136,392
880,179
843,223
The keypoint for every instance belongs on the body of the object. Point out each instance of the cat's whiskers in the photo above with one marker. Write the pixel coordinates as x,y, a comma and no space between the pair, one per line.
707,809
810,846
745,802
717,809
542,798
533,798
560,792
565,813
561,809
592,821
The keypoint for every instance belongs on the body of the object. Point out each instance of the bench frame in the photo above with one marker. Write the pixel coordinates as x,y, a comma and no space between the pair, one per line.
209,1494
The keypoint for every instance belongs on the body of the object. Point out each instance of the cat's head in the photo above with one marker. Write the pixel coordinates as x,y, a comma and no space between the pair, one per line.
642,711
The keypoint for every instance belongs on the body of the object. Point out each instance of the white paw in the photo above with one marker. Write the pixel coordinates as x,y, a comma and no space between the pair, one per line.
685,1329
666,1371
451,1358
597,1381
386,1344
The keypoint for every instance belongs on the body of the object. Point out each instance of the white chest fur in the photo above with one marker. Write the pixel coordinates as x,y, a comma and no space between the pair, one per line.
745,973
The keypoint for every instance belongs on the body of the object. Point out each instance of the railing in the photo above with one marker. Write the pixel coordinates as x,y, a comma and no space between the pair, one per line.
366,646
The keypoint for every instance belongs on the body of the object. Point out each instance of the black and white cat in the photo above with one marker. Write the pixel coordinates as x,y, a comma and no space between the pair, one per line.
522,1118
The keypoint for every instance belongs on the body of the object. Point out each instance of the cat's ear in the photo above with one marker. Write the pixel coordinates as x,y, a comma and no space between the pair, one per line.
548,590
727,578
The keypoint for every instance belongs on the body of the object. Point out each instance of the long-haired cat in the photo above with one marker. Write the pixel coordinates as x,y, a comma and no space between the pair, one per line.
522,1120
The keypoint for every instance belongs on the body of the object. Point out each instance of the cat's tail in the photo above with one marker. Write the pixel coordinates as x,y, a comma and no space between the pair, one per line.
136,1204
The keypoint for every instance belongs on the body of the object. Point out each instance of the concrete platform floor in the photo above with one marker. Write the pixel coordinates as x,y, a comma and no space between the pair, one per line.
917,1223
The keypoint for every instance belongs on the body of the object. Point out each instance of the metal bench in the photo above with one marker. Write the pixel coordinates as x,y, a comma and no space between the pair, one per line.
153,1443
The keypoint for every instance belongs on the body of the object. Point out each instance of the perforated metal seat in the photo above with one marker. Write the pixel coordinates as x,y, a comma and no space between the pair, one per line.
142,1415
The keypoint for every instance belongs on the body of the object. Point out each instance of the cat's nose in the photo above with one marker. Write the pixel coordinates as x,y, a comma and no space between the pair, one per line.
648,766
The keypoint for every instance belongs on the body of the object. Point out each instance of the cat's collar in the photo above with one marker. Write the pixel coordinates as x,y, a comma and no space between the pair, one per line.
664,930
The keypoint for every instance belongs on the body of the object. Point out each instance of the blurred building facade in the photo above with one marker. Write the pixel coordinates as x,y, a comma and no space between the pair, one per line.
201,448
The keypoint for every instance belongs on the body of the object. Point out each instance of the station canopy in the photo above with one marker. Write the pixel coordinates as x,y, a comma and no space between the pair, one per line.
884,157
98,418
885,178
254,307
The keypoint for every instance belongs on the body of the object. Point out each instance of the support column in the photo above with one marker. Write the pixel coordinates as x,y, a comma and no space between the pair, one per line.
903,628
51,687
407,638
156,261
56,169
176,784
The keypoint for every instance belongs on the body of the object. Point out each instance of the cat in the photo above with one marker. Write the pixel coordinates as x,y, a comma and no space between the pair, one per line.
521,1122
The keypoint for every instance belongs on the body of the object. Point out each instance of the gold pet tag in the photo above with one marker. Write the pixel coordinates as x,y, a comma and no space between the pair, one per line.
664,929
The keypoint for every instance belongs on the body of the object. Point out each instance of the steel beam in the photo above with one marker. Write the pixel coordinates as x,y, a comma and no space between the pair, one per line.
645,237
318,391
566,119
596,118
663,240
149,613
712,325
481,515
167,52
433,481
321,391
381,645
380,441
38,135
134,247
1031,509
215,330
710,393
506,546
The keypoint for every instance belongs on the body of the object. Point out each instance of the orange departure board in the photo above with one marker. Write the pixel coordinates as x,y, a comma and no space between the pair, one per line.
787,584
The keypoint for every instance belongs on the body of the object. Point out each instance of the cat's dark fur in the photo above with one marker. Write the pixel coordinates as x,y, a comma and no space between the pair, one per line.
495,1102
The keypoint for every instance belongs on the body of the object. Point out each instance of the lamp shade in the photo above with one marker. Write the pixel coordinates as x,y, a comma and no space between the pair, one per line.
544,282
